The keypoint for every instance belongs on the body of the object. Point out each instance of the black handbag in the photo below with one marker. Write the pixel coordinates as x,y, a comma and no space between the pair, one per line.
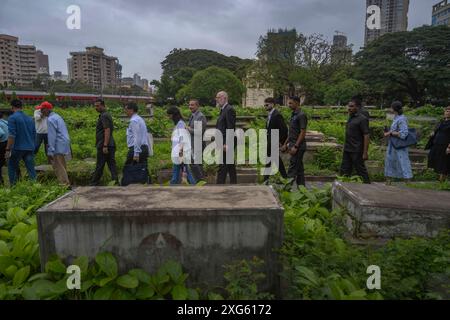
409,141
135,174
430,143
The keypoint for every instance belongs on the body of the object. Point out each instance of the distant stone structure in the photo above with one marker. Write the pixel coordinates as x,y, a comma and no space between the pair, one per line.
256,91
254,97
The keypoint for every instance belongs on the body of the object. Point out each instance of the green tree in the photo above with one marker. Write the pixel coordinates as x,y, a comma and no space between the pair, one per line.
206,83
309,83
343,91
292,62
42,82
181,64
414,63
199,59
170,85
277,51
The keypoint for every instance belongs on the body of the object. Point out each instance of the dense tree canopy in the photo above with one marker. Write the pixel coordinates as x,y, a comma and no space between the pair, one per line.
294,63
181,64
199,59
414,64
206,83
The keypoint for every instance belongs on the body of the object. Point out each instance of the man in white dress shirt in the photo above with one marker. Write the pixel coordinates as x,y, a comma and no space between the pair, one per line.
40,123
137,136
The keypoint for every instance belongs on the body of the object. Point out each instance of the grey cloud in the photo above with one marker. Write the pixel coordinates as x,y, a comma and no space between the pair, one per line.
142,32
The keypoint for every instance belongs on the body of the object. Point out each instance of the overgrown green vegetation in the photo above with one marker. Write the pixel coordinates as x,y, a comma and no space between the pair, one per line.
318,260
320,263
20,269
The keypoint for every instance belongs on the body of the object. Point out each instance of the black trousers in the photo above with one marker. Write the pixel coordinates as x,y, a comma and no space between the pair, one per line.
296,169
143,156
354,160
281,167
225,169
41,138
197,171
102,160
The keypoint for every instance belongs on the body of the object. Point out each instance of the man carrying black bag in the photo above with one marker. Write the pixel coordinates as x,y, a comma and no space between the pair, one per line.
135,169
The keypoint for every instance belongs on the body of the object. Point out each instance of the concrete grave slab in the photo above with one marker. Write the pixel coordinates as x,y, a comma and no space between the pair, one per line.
204,228
382,211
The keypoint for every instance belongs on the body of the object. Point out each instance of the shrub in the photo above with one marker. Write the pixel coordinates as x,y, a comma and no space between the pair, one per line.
205,84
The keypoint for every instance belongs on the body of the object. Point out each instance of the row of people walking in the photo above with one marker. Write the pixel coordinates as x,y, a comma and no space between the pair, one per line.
397,164
20,140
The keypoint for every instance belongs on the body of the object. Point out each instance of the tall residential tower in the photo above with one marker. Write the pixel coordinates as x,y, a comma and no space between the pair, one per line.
95,68
441,14
393,18
19,64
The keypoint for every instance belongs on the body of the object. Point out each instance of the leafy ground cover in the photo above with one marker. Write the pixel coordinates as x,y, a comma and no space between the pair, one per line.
318,260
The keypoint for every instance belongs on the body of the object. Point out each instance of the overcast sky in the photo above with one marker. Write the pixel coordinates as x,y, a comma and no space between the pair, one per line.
142,32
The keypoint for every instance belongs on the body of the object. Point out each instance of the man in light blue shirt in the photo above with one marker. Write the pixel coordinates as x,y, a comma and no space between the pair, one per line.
20,145
136,170
3,142
58,142
137,136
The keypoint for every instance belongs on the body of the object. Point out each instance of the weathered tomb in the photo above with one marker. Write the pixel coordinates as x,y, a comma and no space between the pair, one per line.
380,211
204,228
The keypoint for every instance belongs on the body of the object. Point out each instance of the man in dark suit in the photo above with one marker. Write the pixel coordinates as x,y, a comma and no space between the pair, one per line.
275,121
197,117
226,121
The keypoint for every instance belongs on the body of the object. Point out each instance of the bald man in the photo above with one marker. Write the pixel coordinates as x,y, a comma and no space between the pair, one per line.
226,121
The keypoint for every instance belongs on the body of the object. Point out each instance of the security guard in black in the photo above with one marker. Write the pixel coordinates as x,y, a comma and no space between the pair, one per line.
296,142
357,129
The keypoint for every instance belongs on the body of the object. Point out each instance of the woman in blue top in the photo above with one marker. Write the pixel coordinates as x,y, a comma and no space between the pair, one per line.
397,163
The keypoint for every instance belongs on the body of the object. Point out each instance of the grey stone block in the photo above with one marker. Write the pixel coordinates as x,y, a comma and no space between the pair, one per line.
382,211
204,228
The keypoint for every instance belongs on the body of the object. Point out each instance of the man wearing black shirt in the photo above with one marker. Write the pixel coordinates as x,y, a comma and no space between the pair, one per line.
105,145
296,142
356,143
357,101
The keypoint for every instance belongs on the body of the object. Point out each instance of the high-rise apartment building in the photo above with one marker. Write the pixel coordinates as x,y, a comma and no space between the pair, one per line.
9,59
18,63
341,52
441,13
42,63
28,65
393,18
94,68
